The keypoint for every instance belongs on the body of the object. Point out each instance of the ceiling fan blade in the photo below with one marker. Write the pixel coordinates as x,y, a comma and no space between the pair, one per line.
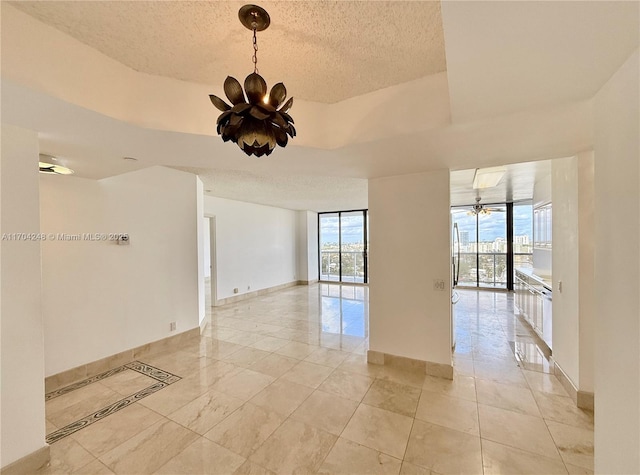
48,170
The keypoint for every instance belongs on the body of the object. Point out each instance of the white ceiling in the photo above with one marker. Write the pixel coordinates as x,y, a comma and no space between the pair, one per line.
516,184
508,56
518,87
319,193
323,51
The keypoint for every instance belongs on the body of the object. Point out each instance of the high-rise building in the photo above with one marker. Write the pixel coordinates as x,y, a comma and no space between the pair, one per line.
464,238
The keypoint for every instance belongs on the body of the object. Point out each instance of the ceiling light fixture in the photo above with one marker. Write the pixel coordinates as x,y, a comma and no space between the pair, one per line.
481,210
478,209
47,166
487,177
254,123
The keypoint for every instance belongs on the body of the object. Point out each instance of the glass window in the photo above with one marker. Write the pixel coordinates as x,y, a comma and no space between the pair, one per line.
343,246
483,246
329,230
523,235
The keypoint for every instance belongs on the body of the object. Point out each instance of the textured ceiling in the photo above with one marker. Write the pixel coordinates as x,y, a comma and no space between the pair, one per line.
299,192
323,51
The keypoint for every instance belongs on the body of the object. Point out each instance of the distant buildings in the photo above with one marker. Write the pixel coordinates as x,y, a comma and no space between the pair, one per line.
521,245
464,238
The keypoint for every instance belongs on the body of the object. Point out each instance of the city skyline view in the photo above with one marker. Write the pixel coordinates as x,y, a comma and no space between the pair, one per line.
492,226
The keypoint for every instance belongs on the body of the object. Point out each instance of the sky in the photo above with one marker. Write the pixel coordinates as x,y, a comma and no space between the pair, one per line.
351,228
491,226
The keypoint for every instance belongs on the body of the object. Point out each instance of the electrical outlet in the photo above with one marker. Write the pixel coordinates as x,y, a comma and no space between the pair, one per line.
438,284
235,291
172,326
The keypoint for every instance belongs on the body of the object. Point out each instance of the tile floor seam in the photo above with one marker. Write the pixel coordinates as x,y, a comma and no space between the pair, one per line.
274,431
556,446
482,452
523,449
406,447
98,456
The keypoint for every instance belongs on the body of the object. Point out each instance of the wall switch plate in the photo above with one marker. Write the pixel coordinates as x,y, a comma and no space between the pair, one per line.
235,291
172,326
438,284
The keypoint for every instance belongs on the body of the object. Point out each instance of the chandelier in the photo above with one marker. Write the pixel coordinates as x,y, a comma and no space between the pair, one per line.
254,122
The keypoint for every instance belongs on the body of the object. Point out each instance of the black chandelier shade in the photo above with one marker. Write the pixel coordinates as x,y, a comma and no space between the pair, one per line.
254,123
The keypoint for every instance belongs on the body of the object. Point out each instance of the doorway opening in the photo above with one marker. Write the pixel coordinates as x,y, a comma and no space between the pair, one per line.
210,261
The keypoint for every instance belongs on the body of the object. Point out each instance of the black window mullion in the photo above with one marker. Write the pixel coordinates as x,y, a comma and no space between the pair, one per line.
340,244
365,256
510,256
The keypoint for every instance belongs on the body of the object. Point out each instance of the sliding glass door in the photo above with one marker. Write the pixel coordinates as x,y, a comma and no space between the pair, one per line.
342,245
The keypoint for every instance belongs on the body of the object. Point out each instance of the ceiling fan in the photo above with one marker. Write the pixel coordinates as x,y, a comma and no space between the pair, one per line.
480,209
47,165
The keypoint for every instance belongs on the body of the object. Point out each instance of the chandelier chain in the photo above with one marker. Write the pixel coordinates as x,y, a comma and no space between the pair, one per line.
255,52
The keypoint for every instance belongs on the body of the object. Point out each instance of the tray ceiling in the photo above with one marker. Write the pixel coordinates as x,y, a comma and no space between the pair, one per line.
323,51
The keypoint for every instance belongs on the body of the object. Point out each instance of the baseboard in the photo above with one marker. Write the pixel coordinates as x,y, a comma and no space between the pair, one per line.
586,400
255,293
203,324
566,382
56,381
582,399
29,463
308,282
428,367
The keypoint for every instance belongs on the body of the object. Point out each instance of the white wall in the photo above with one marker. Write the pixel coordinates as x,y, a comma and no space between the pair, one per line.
100,298
255,246
307,242
207,248
586,262
409,248
22,349
617,270
201,246
312,246
564,179
573,259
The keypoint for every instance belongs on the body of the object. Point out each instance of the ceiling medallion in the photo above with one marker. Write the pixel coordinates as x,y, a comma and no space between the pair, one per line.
254,123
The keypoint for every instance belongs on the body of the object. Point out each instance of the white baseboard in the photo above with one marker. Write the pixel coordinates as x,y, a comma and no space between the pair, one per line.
429,367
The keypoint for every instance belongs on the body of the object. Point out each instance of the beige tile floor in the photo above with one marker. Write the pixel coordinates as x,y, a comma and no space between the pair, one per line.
273,386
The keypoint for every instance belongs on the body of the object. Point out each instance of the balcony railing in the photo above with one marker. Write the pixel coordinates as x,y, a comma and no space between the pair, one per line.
493,267
492,271
352,266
